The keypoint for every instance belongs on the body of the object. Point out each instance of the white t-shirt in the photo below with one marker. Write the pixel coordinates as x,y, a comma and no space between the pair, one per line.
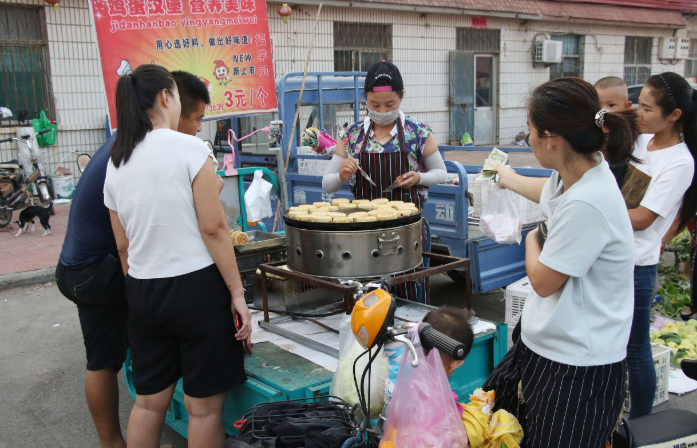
671,170
152,195
586,322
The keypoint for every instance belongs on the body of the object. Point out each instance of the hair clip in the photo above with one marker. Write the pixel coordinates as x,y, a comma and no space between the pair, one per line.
668,90
600,117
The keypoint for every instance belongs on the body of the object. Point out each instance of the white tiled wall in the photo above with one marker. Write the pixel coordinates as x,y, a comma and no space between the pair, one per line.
421,46
78,89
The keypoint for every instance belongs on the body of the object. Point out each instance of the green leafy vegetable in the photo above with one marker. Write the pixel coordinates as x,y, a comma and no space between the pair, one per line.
675,292
671,337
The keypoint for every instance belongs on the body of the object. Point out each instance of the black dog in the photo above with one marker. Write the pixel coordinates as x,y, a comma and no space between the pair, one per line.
27,217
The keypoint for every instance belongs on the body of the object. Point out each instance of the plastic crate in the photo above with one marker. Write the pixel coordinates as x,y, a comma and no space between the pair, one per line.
661,361
311,167
529,211
516,294
480,190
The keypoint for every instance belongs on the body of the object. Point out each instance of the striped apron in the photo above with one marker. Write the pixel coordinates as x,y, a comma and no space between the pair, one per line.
384,169
558,405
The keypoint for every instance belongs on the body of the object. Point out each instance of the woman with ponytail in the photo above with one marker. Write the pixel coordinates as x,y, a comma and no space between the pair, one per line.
659,191
182,284
565,377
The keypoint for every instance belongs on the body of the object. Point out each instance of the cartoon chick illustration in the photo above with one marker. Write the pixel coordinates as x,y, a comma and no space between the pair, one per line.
221,72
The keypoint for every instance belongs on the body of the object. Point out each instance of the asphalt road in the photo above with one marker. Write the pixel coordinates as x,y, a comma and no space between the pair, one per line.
42,368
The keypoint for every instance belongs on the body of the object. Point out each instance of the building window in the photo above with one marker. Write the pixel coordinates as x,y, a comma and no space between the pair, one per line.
480,41
24,75
357,46
572,57
691,61
637,60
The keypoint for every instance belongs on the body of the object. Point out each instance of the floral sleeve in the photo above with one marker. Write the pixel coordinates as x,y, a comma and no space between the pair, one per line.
350,137
424,132
343,135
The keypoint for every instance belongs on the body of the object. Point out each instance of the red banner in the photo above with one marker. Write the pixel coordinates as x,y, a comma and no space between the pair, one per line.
225,43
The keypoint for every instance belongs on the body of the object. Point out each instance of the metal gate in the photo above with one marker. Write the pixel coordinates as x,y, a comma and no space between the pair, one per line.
461,100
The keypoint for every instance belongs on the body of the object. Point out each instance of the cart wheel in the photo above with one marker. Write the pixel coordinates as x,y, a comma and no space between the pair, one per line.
5,218
458,277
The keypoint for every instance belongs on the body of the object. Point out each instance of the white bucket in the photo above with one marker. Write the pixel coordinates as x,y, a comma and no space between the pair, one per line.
63,186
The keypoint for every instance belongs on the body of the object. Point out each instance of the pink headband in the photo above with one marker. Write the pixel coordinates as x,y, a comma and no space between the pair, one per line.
382,89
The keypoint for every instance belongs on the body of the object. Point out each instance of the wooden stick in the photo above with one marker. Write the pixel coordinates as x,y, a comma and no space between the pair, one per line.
297,112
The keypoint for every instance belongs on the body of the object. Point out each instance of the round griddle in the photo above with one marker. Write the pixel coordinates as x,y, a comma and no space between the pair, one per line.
352,226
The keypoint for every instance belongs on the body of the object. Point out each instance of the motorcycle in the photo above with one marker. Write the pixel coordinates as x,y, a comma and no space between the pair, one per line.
674,428
26,184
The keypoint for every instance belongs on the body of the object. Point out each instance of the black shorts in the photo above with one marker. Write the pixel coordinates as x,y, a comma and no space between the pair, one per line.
104,327
183,326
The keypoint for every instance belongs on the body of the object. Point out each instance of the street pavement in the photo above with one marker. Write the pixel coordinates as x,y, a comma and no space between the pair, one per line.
29,252
42,368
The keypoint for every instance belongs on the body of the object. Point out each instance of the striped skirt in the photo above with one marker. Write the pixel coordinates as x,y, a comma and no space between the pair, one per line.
559,405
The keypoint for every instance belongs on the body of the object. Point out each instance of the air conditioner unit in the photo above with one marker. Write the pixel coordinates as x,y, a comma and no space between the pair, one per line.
548,52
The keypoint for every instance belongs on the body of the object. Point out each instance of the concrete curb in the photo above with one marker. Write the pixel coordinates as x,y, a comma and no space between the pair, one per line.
29,278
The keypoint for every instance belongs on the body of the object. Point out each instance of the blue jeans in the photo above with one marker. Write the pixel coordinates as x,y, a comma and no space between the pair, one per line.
642,373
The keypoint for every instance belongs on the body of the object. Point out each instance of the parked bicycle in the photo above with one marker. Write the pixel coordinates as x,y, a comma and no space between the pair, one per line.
24,182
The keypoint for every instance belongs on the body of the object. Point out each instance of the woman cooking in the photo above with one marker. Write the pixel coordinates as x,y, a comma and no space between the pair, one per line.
397,148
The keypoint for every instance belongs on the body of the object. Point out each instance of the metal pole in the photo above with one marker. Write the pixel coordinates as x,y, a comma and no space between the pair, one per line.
265,296
297,113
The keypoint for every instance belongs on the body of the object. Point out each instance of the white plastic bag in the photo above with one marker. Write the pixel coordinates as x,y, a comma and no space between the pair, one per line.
343,385
344,331
258,199
500,220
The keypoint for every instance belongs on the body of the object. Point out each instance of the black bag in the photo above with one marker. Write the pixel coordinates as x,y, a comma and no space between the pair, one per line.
98,283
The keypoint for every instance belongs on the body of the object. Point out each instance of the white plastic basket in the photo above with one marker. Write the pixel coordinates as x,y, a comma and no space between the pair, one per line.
480,190
529,211
41,156
311,167
516,294
661,361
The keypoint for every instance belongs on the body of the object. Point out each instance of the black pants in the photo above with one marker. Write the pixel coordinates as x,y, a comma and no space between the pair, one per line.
104,327
562,405
693,293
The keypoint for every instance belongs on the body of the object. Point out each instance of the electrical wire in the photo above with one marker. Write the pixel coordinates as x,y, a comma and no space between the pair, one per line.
359,392
365,372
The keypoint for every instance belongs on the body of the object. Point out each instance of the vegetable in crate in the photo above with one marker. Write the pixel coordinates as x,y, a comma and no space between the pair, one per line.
680,337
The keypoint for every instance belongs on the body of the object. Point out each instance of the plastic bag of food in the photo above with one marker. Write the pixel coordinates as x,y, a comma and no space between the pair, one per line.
500,219
422,411
257,199
343,385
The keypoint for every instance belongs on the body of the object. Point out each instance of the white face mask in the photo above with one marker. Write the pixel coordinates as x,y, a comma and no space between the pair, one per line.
383,119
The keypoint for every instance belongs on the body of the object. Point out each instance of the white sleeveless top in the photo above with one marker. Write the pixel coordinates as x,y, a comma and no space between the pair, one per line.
153,197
